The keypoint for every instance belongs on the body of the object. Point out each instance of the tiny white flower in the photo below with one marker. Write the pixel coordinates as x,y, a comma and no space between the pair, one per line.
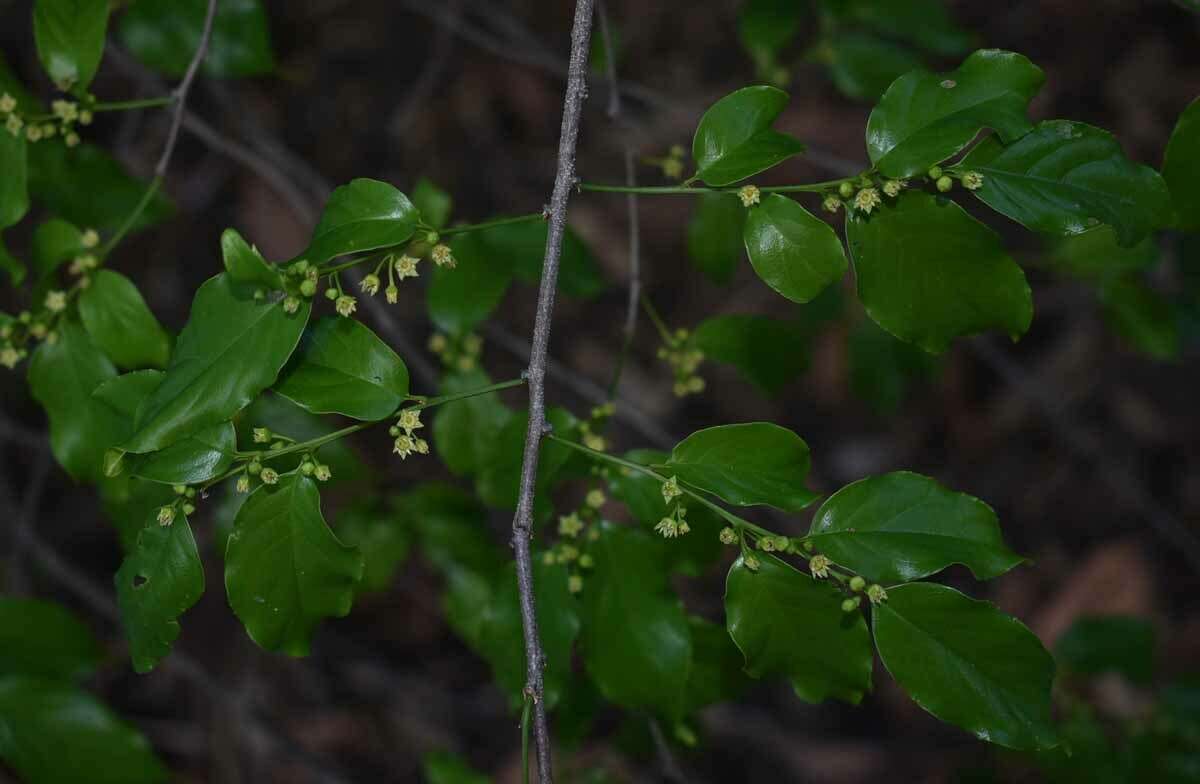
749,195
7,103
9,357
867,199
89,238
269,476
570,525
972,180
345,305
819,566
166,515
877,594
406,267
410,420
442,256
56,301
370,284
322,473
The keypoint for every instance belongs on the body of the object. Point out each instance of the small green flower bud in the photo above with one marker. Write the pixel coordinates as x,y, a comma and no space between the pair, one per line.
393,431
191,493
850,605
935,172
260,295
261,435
189,509
179,489
574,583
877,594
857,583
291,305
751,563
269,476
846,190
300,267
819,566
308,287
166,515
307,468
322,473
728,535
254,468
944,184
243,484
432,237
331,293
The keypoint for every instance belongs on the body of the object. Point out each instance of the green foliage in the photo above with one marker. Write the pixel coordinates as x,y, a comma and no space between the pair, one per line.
44,640
1181,168
714,236
245,264
360,216
383,540
1108,643
863,65
734,139
121,325
882,368
766,27
70,39
769,352
464,431
54,241
1141,316
164,34
193,459
794,253
56,170
14,188
432,202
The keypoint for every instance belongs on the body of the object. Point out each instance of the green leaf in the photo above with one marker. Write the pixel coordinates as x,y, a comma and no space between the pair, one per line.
883,368
714,235
925,118
53,733
120,323
925,23
748,464
230,350
717,672
44,639
280,415
968,664
1181,168
193,459
786,623
284,568
432,202
766,27
498,483
769,352
1066,178
55,172
245,264
462,298
158,582
501,635
342,367
522,247
127,502
464,431
14,187
793,252
863,66
381,538
642,664
12,265
1109,643
62,377
903,526
361,216
1142,316
70,40
441,767
27,102
734,139
55,241
1095,255
164,35
928,272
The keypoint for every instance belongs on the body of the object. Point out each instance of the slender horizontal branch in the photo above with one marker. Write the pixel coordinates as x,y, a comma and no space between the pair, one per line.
531,217
693,190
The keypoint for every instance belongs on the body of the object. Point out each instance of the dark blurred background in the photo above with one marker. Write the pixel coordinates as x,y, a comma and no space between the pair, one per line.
1085,447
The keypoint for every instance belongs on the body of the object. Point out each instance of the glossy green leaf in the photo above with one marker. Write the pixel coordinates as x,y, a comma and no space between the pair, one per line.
714,235
360,216
1109,643
119,398
442,767
462,298
158,581
70,39
54,242
925,118
164,35
382,539
127,502
120,323
284,569
928,272
766,27
432,202
717,671
863,66
14,186
903,526
342,367
56,170
53,733
44,639
11,265
793,252
464,431
245,264
195,458
925,23
734,139
502,639
62,377
968,664
769,352
280,415
1181,168
1066,178
1142,316
1096,255
746,464
786,623
643,664
230,350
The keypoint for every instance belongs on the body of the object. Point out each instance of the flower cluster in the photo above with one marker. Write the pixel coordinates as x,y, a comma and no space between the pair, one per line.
406,443
577,531
589,429
59,123
672,164
685,359
457,352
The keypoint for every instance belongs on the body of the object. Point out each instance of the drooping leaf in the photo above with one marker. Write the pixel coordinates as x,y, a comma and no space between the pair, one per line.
748,464
967,663
285,571
432,202
55,241
51,732
714,235
1142,316
245,264
361,216
734,139
903,526
195,458
863,65
640,665
769,352
159,580
786,623
120,323
717,672
1068,177
11,265
44,639
464,431
925,118
1109,643
14,186
793,252
1181,168
164,35
462,298
62,377
1097,256
70,39
928,272
56,170
342,367
231,349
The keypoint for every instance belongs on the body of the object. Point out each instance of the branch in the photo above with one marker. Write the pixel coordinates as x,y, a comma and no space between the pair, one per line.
181,92
564,181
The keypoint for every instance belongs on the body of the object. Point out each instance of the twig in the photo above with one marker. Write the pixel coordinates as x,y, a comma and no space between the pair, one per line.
34,490
666,758
181,92
564,181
